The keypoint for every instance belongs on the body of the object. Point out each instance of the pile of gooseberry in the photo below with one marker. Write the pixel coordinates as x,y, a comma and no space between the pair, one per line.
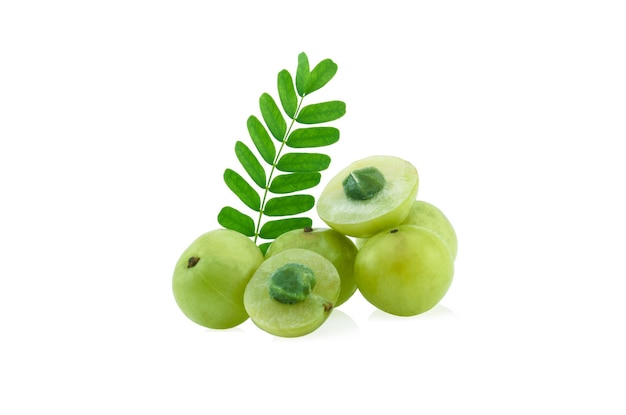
396,250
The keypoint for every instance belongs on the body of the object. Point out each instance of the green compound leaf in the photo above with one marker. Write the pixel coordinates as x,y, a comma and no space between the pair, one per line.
273,117
322,112
264,247
287,93
293,182
302,74
250,163
240,187
313,137
303,162
261,139
320,75
231,218
289,205
275,169
273,229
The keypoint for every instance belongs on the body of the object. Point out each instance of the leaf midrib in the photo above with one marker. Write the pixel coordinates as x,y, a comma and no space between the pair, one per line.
273,169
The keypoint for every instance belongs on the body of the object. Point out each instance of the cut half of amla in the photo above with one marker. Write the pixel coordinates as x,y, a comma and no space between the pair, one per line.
369,196
292,293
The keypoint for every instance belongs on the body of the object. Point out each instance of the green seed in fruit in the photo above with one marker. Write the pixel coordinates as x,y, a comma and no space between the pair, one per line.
363,184
291,283
332,245
369,196
292,293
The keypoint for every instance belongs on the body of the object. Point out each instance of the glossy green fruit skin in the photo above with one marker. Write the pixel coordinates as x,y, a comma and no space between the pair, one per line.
210,293
292,320
404,271
365,218
332,245
429,216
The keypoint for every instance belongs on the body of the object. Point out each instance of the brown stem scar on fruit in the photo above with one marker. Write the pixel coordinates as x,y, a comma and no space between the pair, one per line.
328,306
393,231
308,229
192,262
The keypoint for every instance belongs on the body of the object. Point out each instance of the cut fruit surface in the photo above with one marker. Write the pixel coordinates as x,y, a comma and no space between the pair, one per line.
368,196
292,319
332,245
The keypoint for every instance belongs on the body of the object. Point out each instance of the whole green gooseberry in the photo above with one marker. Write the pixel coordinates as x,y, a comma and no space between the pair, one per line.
404,271
211,275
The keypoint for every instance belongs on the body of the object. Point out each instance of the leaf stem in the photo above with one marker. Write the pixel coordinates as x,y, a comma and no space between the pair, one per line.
273,169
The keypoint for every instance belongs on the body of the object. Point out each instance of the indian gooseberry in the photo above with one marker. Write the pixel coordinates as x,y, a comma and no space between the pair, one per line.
429,216
332,245
292,293
369,195
211,275
404,271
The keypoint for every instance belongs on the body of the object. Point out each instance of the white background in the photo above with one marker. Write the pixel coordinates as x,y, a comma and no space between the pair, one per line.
118,118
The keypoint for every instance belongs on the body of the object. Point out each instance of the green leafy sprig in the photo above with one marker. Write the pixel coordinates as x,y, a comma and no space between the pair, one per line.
285,172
